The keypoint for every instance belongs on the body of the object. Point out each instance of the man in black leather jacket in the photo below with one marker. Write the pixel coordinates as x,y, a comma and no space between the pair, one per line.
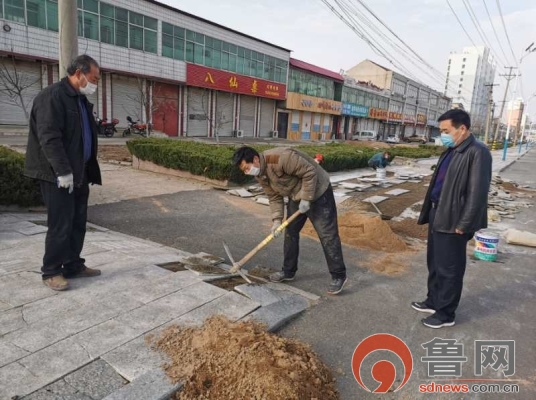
455,207
62,156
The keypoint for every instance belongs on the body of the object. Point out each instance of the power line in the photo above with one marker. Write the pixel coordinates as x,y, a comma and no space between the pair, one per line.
506,31
494,30
460,22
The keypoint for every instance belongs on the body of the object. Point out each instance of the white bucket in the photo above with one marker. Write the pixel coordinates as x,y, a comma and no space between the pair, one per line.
486,246
381,173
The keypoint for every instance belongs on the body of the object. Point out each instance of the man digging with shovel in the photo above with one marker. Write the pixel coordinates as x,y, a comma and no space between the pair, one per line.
284,172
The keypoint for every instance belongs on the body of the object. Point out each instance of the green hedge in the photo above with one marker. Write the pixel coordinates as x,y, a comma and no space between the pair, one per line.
16,188
215,162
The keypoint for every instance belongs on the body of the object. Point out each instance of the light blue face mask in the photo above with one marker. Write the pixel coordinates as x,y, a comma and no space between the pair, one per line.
447,140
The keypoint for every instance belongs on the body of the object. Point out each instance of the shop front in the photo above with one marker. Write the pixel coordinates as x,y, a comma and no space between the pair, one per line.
232,104
311,117
354,116
421,125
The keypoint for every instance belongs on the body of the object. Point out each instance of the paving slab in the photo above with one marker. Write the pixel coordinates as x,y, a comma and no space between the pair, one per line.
397,192
10,236
262,294
154,385
6,219
58,390
18,296
293,289
16,380
15,226
11,320
34,230
375,199
9,352
5,306
277,314
262,200
166,285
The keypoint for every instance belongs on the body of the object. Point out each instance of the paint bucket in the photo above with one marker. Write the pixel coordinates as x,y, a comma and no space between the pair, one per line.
486,246
381,173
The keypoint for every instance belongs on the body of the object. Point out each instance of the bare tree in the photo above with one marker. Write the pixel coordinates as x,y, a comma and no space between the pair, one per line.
15,84
219,120
144,98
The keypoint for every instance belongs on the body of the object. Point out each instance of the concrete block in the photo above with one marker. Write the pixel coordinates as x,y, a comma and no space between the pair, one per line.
166,285
11,320
154,385
10,352
58,390
375,199
18,296
295,290
48,307
262,294
96,380
275,315
15,380
397,192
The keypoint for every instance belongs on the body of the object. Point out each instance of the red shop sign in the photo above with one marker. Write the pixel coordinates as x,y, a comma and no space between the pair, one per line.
210,78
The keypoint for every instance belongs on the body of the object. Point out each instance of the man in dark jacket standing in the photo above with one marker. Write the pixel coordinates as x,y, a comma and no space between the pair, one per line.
455,207
62,155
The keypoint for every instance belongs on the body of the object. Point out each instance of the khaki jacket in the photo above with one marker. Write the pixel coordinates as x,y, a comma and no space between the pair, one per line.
286,172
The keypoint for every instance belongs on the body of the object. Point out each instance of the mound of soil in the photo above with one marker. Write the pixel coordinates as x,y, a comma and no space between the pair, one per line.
226,360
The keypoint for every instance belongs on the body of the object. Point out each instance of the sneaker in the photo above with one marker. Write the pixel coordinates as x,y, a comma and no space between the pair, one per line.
435,323
57,282
337,285
422,307
281,277
85,273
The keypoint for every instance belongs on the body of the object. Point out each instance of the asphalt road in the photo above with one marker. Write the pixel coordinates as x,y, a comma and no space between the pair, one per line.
498,302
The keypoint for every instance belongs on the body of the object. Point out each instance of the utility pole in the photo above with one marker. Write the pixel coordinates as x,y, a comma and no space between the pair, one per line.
68,27
490,106
508,77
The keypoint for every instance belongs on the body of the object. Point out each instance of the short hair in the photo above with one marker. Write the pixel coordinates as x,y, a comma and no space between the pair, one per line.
457,117
245,153
82,63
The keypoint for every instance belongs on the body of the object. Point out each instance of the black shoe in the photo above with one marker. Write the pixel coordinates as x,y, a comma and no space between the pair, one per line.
281,277
433,322
422,307
337,285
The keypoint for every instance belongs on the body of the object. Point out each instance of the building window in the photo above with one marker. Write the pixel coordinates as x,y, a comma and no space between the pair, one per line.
459,92
464,59
461,79
41,14
462,72
14,10
463,66
311,84
460,85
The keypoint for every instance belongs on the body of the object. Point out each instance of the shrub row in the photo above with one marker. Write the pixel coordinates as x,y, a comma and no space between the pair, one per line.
16,188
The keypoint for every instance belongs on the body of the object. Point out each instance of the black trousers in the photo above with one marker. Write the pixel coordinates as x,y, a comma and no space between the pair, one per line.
67,217
323,216
447,259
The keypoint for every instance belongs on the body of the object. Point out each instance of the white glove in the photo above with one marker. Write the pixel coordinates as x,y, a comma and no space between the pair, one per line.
305,205
66,182
277,224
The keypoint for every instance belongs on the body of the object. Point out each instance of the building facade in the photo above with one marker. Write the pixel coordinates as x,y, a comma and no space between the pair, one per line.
185,75
413,108
313,106
468,73
515,112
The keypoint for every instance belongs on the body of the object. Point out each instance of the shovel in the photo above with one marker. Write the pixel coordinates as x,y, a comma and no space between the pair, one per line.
383,216
238,265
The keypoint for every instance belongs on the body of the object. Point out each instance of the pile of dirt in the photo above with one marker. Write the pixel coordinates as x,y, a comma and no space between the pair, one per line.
114,153
409,227
511,187
225,360
365,232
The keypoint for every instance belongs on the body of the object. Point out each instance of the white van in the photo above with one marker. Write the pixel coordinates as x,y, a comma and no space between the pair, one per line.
364,135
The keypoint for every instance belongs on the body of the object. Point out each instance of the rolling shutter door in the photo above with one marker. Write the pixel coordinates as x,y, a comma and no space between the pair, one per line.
126,99
30,75
306,125
295,125
224,113
316,124
197,112
247,115
267,117
55,73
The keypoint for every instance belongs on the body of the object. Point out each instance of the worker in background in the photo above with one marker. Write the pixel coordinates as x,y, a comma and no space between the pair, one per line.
380,160
284,172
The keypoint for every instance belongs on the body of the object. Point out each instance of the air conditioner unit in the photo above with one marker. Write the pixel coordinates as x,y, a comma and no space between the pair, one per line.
240,133
275,134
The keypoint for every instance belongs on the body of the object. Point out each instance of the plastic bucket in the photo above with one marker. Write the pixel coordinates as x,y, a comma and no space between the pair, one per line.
486,246
381,173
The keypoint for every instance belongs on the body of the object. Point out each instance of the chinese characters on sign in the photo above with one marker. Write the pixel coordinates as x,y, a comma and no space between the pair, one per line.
444,357
495,354
209,78
421,119
355,110
395,116
233,83
377,113
298,101
254,87
409,119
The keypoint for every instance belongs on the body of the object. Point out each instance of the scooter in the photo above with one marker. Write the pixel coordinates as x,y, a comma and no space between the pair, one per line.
135,127
106,128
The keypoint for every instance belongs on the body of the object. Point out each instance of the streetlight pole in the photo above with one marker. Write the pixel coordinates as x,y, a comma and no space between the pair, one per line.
528,51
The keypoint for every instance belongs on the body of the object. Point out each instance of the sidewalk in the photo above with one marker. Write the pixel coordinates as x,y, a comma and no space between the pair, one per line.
89,340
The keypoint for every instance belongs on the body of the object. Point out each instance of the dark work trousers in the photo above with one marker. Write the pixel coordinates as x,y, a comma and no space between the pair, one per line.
446,257
67,217
323,216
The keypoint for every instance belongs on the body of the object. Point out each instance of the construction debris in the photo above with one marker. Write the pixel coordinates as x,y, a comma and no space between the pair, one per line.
522,238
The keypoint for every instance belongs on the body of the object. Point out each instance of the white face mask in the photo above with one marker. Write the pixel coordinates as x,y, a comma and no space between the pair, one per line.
254,171
89,89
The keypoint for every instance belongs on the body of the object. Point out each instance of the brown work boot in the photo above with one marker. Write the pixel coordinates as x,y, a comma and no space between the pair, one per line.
85,273
57,282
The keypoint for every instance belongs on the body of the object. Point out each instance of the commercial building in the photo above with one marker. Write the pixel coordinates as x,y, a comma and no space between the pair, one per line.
468,73
313,104
413,108
515,114
186,75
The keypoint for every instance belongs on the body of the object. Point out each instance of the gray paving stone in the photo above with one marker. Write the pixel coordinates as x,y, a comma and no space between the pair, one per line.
295,290
6,219
261,294
10,352
58,390
275,315
49,307
5,306
165,285
32,230
23,265
30,216
15,226
10,237
18,296
154,385
15,380
103,257
96,380
11,320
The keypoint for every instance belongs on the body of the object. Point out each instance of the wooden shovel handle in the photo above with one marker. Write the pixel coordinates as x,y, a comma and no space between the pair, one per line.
237,266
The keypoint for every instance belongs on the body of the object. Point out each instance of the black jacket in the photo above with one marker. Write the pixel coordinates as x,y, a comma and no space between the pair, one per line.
463,203
55,142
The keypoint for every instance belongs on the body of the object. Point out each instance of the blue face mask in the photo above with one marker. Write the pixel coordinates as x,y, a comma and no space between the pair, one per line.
447,140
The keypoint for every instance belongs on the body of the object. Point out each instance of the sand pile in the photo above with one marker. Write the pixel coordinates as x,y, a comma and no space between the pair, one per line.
223,360
409,227
365,232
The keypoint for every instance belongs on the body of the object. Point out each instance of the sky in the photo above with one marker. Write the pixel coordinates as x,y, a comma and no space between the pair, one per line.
316,35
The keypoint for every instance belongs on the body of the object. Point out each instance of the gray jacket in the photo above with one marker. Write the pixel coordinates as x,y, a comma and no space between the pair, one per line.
463,203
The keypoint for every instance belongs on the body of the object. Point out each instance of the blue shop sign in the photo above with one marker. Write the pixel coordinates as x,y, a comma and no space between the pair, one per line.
356,110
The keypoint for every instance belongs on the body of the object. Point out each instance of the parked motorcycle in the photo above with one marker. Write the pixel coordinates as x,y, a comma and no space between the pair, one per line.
135,127
106,128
